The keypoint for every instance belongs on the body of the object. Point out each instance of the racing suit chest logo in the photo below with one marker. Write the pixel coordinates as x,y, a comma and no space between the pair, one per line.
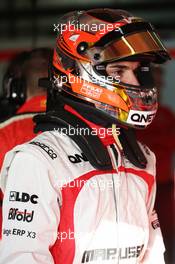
15,214
111,254
77,158
22,197
46,148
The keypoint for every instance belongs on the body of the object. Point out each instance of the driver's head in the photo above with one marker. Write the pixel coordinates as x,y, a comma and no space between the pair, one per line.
105,57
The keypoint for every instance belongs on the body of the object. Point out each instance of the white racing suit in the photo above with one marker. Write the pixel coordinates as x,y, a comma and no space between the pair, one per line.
58,209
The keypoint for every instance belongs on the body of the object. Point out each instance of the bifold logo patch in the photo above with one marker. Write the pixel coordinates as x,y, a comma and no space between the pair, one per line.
46,148
25,216
22,197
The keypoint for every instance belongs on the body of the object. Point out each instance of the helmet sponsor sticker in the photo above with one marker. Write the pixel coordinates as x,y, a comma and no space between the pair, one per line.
143,118
91,91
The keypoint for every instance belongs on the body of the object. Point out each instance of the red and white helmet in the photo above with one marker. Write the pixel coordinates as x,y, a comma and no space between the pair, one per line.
87,42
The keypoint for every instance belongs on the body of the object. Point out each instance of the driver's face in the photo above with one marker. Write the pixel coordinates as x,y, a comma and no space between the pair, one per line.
124,71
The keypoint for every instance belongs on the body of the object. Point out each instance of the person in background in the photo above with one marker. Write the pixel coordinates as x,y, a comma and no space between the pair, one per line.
19,128
12,85
28,98
80,192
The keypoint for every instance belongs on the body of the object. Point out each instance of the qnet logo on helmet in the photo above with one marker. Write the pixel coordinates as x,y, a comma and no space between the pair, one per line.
141,117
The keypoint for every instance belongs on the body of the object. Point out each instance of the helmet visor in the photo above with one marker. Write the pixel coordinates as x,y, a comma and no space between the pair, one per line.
134,44
129,40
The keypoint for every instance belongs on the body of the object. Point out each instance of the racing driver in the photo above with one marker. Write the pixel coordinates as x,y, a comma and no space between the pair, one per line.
83,190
